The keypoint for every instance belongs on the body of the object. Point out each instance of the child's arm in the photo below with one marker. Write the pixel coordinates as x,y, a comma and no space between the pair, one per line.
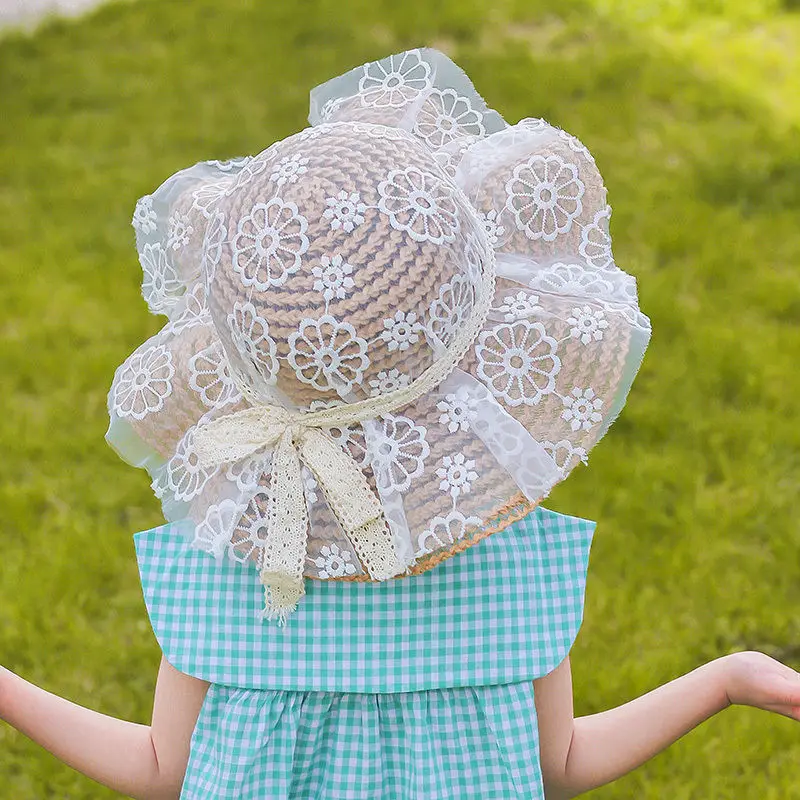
581,754
141,761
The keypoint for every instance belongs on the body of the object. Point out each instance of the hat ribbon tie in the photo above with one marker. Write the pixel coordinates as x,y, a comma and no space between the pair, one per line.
298,438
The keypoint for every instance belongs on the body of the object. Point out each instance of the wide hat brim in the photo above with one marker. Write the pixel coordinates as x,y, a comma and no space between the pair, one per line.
538,388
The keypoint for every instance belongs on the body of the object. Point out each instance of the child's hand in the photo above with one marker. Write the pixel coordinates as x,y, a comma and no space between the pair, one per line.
755,679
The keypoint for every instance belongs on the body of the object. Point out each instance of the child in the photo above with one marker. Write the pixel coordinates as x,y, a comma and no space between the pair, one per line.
390,335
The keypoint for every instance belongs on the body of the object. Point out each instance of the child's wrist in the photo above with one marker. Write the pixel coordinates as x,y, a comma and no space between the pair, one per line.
5,683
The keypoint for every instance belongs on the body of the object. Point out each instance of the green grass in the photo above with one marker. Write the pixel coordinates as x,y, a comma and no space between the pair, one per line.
693,113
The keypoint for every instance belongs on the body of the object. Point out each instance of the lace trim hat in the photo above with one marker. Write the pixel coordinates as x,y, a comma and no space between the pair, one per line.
389,335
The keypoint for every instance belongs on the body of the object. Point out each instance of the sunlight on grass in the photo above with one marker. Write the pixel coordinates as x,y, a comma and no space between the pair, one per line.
752,46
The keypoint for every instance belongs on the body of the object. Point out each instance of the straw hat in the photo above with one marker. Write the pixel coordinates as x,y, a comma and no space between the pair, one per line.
390,334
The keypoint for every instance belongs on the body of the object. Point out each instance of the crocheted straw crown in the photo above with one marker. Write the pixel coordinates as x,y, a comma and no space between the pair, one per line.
389,335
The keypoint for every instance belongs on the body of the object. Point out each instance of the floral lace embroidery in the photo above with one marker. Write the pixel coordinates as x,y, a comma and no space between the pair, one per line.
328,354
398,453
446,116
595,244
391,82
519,306
250,334
180,229
451,309
388,381
144,384
345,211
544,195
333,277
457,474
587,324
161,286
144,217
582,409
402,330
269,243
458,409
518,362
209,377
289,169
333,562
420,204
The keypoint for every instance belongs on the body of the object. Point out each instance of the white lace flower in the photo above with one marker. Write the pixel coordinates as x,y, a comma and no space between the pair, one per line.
214,238
345,211
493,230
213,534
544,195
289,169
445,116
328,354
448,158
400,331
534,124
250,336
192,310
333,277
587,324
333,562
391,82
310,487
210,378
595,244
519,306
144,383
572,279
388,381
250,534
458,409
575,144
457,475
420,204
518,362
350,438
182,475
269,243
582,408
443,531
329,108
564,454
397,452
247,473
179,230
208,195
144,218
254,166
452,308
161,286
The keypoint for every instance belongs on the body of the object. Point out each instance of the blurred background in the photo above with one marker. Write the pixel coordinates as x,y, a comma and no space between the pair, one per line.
692,111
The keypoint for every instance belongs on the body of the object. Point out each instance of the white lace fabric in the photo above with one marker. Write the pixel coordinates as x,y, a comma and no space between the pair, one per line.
381,331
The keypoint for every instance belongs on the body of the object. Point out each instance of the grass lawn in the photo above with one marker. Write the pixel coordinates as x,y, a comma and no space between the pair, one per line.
692,111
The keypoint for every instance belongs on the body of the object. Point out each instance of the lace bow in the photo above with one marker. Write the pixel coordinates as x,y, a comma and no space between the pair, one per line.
298,438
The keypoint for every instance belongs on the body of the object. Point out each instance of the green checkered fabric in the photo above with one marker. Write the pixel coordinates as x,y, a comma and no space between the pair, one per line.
413,688
469,743
505,610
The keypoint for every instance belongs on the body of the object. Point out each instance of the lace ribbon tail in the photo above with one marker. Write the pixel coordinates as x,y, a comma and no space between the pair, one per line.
281,595
287,534
354,503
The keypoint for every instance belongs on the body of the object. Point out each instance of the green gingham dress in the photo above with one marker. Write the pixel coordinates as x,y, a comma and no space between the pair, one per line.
418,688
